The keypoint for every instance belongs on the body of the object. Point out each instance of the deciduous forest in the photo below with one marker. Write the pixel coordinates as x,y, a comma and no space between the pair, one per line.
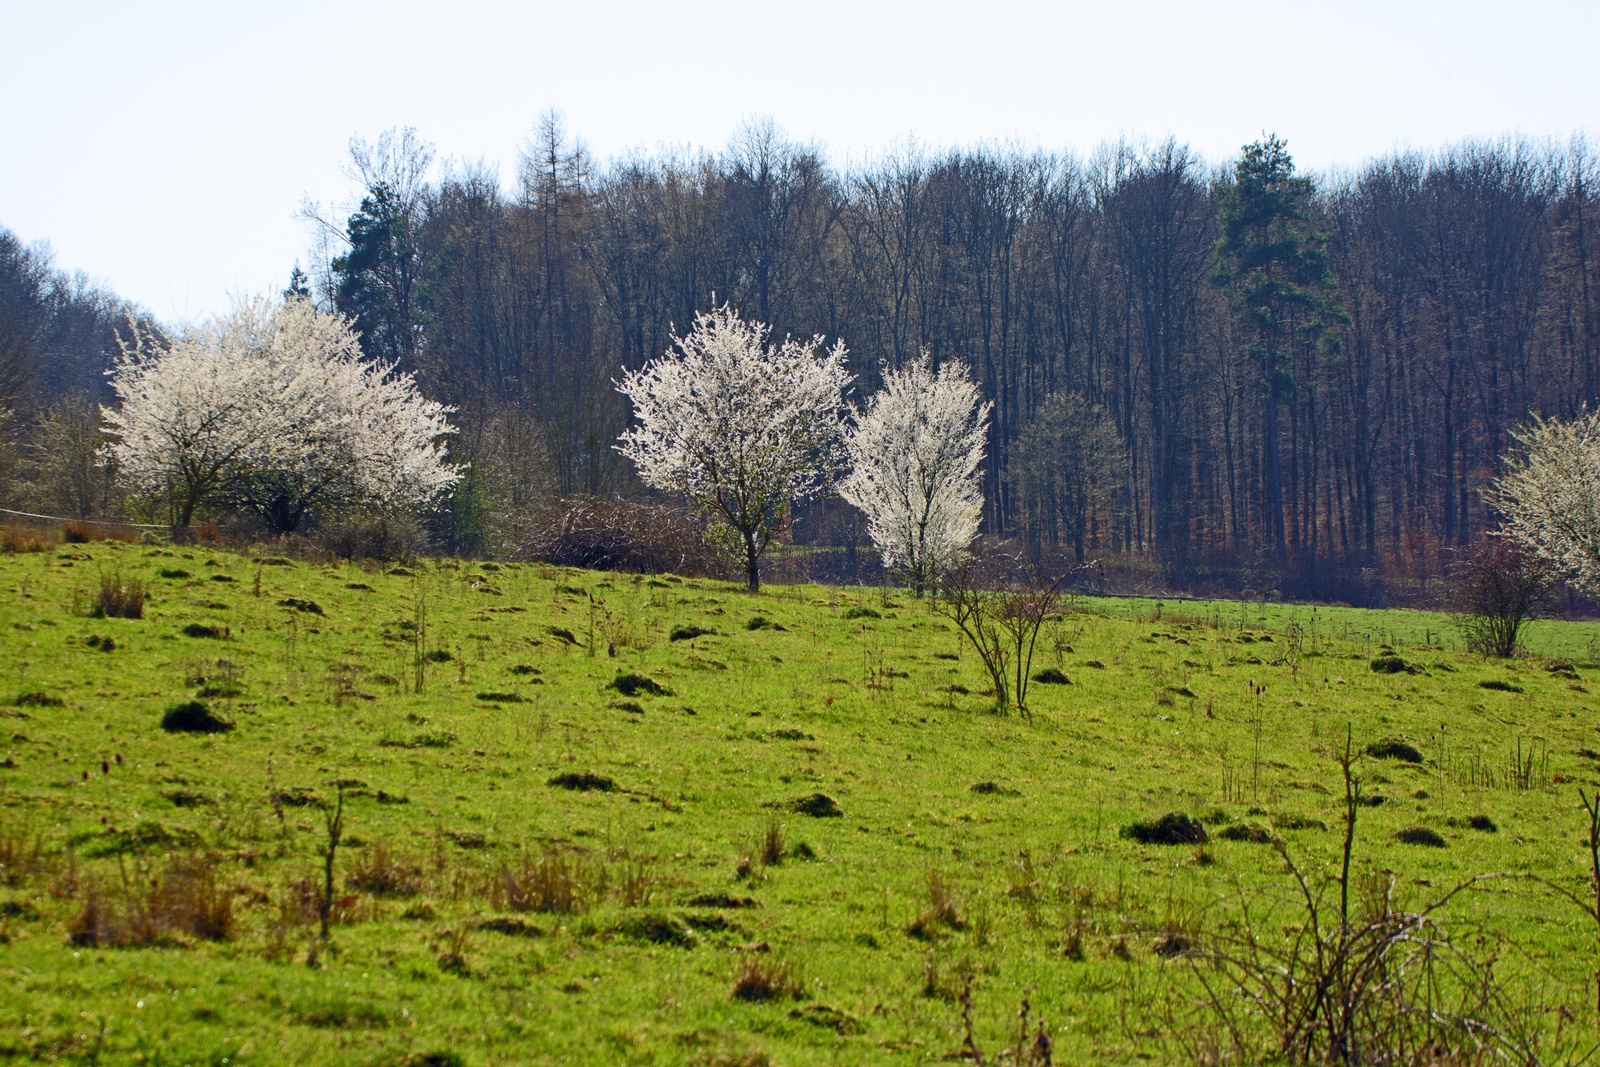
1225,371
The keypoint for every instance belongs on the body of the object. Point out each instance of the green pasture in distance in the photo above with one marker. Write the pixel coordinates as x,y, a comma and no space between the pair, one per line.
560,732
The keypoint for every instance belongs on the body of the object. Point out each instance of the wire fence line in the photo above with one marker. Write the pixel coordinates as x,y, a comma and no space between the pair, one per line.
98,522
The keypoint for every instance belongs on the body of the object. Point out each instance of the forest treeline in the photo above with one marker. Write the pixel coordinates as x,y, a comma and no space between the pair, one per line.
1296,382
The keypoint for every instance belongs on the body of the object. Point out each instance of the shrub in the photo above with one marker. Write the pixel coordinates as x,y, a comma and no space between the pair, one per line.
1500,586
14,537
83,531
621,535
193,717
120,598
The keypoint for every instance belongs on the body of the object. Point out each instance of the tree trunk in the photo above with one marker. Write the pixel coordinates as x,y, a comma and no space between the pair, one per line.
752,563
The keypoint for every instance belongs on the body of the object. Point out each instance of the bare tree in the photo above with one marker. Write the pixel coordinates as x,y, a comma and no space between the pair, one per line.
1501,585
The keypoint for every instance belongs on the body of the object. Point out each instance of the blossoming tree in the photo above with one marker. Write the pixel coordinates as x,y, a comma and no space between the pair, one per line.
1549,495
914,456
272,408
741,427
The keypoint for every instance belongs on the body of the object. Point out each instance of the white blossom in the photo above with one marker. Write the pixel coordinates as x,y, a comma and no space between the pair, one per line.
1550,495
914,456
741,427
272,406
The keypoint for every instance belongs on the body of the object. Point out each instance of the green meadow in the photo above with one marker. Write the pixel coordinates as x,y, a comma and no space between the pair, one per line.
595,818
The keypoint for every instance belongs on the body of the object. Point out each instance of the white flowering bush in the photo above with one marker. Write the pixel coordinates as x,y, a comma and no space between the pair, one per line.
1549,495
914,456
271,407
743,428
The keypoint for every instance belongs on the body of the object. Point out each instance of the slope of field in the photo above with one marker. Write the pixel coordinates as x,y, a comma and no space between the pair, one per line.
596,802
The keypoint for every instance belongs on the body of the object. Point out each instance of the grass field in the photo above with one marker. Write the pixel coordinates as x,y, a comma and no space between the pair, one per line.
540,867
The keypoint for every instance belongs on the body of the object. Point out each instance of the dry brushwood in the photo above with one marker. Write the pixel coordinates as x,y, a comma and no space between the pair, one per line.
620,535
1368,983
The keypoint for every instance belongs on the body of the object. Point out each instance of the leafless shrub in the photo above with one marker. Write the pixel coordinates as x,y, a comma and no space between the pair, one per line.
1500,587
183,899
1031,1047
1356,981
999,599
620,535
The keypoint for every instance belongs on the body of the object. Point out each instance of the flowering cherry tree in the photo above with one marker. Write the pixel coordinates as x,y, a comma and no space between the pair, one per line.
272,407
1550,495
741,427
914,456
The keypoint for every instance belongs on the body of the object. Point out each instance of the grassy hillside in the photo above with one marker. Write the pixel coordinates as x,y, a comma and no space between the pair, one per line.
540,866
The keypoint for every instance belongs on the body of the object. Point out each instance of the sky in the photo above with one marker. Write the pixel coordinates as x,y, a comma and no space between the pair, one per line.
165,148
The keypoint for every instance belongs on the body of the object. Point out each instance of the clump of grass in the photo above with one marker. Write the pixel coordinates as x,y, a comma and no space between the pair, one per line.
184,899
120,598
501,698
1394,748
38,700
174,572
553,882
993,789
1052,676
761,978
435,739
310,607
943,910
1499,686
689,633
20,858
1389,663
194,717
1173,828
772,846
861,613
382,873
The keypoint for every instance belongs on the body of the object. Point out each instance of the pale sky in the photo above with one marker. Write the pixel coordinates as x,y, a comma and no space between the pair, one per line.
165,147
